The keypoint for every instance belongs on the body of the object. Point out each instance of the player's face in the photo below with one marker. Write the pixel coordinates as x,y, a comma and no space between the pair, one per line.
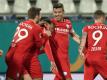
58,13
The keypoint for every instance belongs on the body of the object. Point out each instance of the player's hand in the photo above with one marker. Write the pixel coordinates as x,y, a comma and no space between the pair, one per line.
81,54
1,52
47,32
53,66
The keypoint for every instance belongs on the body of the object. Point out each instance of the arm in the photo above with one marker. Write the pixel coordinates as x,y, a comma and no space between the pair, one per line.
48,50
75,36
82,43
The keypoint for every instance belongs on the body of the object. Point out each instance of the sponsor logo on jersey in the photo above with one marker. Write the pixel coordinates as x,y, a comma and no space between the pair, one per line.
67,26
61,30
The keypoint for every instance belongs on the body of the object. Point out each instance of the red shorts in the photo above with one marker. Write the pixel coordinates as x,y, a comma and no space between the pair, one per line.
33,67
11,69
17,62
65,65
30,62
95,63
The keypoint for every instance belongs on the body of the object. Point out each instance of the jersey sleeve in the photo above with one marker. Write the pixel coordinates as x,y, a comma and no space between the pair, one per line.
85,29
71,30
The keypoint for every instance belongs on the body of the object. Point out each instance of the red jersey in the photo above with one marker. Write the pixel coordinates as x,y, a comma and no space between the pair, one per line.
61,37
97,37
27,36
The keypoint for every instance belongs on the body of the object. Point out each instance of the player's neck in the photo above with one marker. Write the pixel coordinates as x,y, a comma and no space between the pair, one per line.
98,21
61,20
33,20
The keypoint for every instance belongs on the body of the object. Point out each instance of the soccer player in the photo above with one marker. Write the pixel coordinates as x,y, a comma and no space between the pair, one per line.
94,41
27,40
1,52
63,29
46,24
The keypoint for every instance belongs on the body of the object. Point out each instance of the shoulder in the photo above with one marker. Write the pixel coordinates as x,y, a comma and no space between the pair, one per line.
85,28
68,21
68,24
37,28
53,20
26,21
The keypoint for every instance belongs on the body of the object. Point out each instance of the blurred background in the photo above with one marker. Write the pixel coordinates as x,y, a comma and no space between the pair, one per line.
80,12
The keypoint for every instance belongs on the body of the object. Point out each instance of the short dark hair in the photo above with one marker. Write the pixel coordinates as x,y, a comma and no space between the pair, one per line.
98,14
58,5
46,19
33,11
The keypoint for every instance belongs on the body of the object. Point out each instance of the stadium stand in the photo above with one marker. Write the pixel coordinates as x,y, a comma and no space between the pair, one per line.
104,6
87,7
45,5
73,8
4,7
21,6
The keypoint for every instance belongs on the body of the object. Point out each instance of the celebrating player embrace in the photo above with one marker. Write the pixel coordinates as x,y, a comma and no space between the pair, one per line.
22,57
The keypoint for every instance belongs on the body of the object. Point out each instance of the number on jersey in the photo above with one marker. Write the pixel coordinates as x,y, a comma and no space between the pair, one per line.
18,36
97,39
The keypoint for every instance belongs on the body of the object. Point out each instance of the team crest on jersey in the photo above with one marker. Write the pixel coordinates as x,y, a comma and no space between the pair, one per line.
67,26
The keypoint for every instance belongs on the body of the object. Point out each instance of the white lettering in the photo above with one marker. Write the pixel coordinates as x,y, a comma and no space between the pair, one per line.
95,48
26,25
60,30
97,27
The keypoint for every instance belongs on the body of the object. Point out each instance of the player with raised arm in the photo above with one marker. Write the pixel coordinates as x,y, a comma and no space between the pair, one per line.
63,29
94,41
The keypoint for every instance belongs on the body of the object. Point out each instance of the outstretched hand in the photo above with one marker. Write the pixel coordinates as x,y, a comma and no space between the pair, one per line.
47,32
81,54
